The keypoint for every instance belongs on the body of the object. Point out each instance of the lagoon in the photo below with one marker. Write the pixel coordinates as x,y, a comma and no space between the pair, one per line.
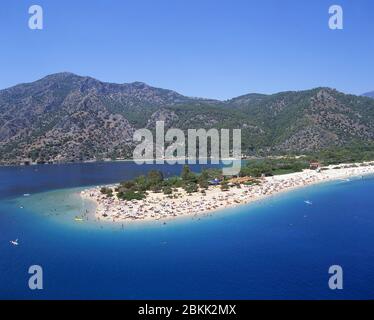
280,248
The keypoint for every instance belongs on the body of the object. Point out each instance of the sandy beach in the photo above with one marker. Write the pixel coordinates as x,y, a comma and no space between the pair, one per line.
157,206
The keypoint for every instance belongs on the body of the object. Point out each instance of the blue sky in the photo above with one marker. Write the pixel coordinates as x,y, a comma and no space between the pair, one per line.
214,49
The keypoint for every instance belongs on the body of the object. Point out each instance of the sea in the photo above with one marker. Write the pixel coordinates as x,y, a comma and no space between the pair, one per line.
278,248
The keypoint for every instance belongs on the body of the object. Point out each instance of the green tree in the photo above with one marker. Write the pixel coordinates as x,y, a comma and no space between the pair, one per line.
187,175
107,191
191,187
131,195
128,184
175,182
224,186
141,183
155,177
167,190
204,184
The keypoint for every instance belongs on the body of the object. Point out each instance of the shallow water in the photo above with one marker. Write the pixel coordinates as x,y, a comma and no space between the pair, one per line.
280,248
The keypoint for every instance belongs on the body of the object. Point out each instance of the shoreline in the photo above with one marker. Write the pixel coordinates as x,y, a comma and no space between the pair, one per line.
157,207
153,160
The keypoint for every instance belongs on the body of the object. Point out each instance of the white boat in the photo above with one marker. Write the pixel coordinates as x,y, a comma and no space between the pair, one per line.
308,202
27,195
14,242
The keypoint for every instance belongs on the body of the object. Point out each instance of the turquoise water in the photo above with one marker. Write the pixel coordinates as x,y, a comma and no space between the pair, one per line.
280,248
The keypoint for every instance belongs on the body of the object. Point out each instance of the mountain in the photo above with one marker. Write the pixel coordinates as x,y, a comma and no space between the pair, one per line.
309,120
66,117
369,94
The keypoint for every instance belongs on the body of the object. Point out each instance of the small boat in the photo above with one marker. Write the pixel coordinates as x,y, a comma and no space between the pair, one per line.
27,195
78,219
14,242
308,202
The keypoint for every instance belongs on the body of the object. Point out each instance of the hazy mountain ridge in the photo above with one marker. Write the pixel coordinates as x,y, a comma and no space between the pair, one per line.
369,94
65,117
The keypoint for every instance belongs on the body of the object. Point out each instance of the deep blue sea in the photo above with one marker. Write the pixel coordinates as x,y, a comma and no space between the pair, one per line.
280,248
